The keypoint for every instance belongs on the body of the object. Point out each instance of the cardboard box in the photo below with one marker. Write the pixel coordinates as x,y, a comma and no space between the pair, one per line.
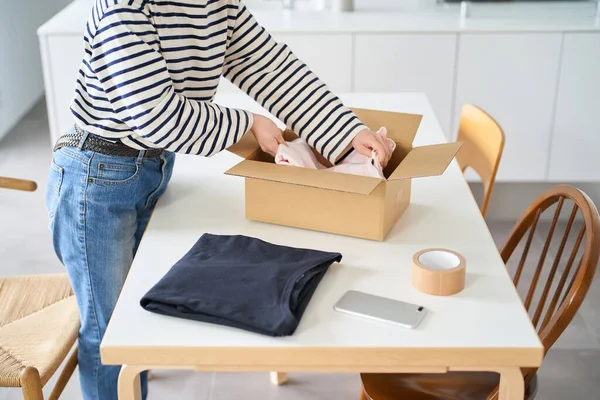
339,203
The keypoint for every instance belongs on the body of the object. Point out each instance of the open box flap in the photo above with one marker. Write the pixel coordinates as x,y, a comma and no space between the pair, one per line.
245,147
401,128
305,177
426,161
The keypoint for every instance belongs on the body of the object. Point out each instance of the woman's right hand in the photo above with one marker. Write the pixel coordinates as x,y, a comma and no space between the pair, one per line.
367,141
267,134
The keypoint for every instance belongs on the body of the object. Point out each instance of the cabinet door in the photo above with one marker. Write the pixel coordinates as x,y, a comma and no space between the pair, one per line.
327,55
64,59
513,78
575,154
408,63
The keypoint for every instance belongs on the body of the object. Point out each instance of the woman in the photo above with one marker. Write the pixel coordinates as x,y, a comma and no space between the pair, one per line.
144,91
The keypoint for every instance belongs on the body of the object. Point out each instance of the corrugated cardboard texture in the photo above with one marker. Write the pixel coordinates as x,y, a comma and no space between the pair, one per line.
316,209
397,157
426,161
397,199
305,177
245,147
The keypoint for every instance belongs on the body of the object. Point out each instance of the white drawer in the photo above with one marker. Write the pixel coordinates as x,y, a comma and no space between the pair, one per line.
327,55
408,63
575,151
513,77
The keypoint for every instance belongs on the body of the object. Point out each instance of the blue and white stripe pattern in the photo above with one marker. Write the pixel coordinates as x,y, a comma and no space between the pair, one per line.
151,69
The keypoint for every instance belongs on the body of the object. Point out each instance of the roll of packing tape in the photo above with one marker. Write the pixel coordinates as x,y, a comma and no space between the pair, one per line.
439,272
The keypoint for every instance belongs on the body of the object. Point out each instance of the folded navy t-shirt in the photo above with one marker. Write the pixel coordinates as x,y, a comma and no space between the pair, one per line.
241,282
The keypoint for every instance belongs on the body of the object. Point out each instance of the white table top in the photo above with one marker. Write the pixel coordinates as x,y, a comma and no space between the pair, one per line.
486,315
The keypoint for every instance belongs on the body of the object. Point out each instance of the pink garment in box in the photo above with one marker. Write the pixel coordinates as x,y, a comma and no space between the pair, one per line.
299,154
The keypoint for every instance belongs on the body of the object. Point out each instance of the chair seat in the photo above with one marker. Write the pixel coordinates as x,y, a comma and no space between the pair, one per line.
39,323
450,386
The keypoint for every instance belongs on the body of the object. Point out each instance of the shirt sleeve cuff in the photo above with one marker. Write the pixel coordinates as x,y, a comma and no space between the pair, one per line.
344,148
246,121
245,128
250,121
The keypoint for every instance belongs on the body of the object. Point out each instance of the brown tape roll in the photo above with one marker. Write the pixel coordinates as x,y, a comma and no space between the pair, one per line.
439,272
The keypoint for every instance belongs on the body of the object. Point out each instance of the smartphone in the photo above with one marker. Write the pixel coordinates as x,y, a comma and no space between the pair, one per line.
381,309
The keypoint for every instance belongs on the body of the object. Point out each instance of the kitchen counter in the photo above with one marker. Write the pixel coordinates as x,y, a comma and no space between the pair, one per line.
538,17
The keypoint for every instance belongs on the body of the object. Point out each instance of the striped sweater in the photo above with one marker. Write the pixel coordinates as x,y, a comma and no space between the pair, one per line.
151,69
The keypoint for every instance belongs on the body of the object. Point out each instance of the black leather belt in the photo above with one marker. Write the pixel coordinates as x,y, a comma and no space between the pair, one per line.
102,146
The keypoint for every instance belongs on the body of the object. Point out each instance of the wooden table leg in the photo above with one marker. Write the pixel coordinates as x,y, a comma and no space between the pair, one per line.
363,395
278,378
512,386
129,382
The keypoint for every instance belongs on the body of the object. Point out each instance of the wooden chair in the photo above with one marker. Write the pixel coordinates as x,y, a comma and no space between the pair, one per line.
17,184
563,283
39,323
482,149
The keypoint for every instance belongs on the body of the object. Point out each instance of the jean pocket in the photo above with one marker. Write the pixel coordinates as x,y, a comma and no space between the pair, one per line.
116,173
55,179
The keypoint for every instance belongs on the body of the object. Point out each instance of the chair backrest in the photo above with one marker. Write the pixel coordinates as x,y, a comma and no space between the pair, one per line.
17,184
563,282
482,150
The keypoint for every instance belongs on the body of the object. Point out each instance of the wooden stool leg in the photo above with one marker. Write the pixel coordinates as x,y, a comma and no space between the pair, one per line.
64,377
31,384
278,378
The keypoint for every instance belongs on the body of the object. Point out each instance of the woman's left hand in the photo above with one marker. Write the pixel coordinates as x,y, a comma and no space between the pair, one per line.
267,134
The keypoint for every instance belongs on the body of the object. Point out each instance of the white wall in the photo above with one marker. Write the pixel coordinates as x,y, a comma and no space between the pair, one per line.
21,83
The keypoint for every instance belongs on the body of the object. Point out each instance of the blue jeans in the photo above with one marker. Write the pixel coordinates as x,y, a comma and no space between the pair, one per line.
99,207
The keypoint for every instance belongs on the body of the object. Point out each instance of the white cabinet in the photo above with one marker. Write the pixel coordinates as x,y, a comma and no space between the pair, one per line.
61,55
513,77
408,63
575,153
542,85
327,55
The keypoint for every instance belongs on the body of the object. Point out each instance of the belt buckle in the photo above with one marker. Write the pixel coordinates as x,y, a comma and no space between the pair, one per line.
99,142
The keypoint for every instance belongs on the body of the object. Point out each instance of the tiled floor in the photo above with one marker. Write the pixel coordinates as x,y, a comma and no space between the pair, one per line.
571,370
